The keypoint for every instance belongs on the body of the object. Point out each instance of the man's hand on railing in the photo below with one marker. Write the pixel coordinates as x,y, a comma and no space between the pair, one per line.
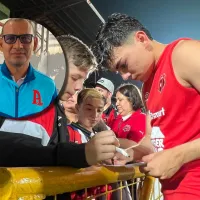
163,164
101,147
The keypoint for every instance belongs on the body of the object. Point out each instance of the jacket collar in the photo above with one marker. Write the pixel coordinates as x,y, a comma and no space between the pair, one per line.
29,76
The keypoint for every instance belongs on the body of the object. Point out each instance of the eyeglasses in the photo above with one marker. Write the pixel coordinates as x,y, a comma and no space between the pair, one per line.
24,39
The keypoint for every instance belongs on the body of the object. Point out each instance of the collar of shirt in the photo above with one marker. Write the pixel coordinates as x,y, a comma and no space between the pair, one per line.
126,117
20,81
30,75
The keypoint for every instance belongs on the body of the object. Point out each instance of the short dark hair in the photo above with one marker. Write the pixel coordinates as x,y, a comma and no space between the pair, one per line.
78,52
133,94
114,33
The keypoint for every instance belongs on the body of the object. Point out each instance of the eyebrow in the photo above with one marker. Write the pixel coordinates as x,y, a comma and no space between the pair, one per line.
88,104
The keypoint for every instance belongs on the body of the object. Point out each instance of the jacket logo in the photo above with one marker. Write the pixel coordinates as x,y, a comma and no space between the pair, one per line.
127,128
162,83
37,100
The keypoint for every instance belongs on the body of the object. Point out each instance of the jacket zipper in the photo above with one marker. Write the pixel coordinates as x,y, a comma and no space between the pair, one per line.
16,101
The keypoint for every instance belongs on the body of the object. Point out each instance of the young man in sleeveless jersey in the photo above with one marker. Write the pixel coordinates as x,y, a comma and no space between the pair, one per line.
171,92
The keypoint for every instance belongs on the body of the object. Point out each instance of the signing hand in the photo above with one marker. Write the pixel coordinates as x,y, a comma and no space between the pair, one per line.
101,147
119,159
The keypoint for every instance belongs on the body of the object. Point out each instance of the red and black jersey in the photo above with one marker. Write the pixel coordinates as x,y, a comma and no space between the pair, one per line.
79,135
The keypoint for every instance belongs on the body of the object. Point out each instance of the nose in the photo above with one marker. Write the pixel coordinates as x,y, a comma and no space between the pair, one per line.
117,102
78,85
95,114
18,44
126,76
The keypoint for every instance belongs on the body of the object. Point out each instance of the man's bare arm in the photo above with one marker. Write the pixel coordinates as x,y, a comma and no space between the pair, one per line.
186,63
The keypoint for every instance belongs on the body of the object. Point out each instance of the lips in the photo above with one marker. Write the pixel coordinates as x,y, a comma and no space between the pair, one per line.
70,101
18,54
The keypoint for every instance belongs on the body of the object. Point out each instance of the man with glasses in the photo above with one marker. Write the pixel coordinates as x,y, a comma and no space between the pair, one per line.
25,91
27,147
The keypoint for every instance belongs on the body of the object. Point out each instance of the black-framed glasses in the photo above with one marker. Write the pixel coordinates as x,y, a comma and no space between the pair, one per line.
24,39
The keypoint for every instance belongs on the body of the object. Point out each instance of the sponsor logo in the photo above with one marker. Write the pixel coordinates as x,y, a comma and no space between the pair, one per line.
157,138
155,115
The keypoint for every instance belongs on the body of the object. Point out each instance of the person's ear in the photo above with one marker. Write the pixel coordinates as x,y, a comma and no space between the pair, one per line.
141,37
110,94
35,43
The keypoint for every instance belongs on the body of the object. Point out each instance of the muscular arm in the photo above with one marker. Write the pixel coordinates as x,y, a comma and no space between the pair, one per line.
189,151
186,63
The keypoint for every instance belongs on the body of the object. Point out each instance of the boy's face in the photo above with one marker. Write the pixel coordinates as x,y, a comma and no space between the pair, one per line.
90,111
76,79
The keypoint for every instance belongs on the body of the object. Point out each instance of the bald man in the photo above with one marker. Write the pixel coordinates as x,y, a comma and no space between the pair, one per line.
25,91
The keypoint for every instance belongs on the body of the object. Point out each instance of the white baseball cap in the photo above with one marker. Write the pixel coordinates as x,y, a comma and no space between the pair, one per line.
106,84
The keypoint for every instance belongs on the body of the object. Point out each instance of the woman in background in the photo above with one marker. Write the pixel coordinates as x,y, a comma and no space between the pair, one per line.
131,121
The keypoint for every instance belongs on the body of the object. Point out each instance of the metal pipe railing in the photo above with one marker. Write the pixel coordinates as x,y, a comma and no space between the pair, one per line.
36,183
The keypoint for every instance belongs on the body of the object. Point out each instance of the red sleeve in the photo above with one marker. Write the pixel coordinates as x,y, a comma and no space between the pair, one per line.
138,127
74,136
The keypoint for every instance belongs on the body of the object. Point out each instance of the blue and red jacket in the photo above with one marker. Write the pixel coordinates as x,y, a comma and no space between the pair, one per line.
34,95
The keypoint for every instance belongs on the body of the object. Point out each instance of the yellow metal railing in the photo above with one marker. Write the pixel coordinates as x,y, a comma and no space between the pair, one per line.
37,183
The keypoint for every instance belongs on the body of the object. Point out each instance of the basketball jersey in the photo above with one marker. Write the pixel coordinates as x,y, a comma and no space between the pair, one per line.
175,119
